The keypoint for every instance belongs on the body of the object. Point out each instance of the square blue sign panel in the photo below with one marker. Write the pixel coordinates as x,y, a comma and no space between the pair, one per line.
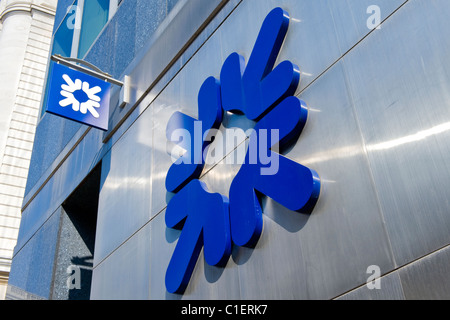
79,97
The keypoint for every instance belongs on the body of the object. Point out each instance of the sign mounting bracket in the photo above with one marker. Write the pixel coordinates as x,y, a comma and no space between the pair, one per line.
93,71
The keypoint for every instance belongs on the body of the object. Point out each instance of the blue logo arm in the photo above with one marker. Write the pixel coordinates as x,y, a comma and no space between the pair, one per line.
216,231
210,112
267,45
292,185
179,215
206,217
184,257
190,165
258,88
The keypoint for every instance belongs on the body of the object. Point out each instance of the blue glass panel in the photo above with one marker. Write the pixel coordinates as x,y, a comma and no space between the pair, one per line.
62,43
95,16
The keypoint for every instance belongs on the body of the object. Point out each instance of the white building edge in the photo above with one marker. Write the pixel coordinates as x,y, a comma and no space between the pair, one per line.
25,34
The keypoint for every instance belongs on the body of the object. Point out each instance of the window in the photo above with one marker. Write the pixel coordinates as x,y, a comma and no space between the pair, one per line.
78,30
95,16
82,24
63,38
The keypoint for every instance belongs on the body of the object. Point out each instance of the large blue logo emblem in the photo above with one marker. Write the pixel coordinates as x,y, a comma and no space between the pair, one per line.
262,93
79,97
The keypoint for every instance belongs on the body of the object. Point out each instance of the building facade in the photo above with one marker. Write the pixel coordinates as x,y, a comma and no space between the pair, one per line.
25,35
375,80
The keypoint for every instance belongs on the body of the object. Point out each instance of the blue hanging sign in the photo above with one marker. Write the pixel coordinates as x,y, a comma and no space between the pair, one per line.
79,97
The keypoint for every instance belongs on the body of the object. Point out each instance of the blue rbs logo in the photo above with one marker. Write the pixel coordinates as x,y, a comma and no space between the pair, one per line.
264,94
79,97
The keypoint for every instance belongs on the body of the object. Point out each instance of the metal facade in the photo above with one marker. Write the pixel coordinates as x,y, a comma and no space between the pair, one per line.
378,135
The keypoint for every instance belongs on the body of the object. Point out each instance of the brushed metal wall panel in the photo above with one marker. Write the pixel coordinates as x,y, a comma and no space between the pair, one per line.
351,18
318,256
125,273
399,80
124,201
162,245
390,289
427,278
320,31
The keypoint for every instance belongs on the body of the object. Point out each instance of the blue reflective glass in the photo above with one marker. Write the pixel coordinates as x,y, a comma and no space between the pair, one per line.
62,43
95,16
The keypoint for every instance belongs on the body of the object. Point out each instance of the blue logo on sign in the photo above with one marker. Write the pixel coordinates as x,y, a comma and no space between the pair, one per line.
80,97
266,95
